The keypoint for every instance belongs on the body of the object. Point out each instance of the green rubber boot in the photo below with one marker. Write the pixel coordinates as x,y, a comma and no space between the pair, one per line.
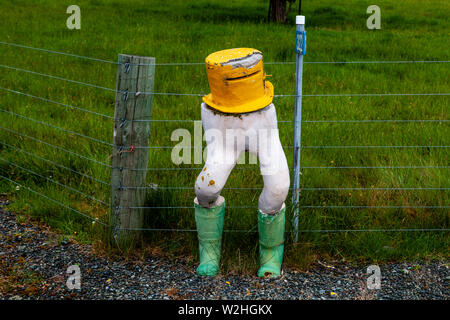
271,243
209,231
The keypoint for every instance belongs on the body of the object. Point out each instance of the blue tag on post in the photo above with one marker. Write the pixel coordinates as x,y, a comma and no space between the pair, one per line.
300,42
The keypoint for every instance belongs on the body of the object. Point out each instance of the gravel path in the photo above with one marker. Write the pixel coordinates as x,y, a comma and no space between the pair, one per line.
33,265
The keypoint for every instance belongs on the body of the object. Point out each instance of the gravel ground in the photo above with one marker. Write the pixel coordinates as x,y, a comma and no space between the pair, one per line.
33,265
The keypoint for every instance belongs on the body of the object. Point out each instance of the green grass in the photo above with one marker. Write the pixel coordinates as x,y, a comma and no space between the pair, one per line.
187,31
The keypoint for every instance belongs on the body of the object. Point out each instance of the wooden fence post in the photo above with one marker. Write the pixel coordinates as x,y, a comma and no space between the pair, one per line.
135,79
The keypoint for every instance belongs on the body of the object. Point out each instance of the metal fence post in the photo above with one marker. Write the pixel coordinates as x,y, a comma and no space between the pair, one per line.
300,48
135,79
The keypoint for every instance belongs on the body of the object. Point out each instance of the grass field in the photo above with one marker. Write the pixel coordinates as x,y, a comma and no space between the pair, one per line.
187,31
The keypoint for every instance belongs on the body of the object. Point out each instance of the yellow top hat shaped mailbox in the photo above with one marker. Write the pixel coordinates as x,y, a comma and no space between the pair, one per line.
237,81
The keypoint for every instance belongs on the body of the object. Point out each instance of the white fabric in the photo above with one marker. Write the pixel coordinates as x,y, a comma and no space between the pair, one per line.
227,136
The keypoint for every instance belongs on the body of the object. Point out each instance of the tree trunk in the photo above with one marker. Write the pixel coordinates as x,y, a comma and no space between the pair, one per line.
277,10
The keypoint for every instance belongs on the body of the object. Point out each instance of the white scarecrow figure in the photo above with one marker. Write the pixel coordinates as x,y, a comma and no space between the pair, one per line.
237,116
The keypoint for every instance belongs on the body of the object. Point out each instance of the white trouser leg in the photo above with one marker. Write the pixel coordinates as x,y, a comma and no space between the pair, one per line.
211,181
256,132
272,163
275,172
220,159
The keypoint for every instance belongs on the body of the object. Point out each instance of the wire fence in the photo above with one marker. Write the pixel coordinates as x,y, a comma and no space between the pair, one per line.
15,146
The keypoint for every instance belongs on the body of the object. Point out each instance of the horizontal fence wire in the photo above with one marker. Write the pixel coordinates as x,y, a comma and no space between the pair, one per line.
55,164
301,207
56,127
374,207
202,94
371,121
300,231
302,167
202,63
290,147
57,78
57,103
363,62
362,94
54,181
55,201
56,147
56,52
300,189
303,121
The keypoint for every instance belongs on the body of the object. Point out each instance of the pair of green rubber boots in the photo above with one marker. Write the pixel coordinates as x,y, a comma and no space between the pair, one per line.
209,229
